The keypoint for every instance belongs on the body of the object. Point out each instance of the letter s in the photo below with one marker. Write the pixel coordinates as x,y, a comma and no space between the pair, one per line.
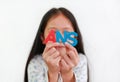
69,37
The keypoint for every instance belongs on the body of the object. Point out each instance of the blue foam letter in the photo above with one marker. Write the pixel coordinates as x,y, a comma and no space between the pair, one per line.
59,37
73,39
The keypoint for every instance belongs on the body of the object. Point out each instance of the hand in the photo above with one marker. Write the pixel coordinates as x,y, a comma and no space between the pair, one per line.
52,57
69,61
61,49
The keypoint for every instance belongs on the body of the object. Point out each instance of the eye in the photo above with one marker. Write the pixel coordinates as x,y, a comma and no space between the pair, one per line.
68,29
51,29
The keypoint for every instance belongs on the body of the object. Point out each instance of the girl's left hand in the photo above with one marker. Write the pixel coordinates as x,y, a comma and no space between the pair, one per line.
69,61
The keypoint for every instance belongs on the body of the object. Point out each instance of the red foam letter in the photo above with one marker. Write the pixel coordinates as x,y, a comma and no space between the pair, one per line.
50,37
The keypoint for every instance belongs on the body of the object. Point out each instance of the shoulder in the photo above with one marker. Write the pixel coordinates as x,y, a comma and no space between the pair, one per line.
80,70
36,59
82,57
82,64
83,60
36,70
36,62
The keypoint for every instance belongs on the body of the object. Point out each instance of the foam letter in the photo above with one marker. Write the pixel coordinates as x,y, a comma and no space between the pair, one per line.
73,39
59,37
50,37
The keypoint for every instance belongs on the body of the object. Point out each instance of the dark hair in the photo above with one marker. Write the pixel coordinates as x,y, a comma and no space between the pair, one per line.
38,46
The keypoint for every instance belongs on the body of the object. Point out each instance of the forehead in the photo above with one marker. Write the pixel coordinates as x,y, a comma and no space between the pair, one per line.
59,21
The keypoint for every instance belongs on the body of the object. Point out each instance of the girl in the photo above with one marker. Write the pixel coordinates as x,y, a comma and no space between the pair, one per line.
56,62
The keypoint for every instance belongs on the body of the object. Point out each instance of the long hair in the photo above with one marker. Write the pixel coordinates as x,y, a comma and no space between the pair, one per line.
38,46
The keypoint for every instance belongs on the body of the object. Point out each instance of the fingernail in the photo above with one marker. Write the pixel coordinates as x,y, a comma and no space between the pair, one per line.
57,43
66,42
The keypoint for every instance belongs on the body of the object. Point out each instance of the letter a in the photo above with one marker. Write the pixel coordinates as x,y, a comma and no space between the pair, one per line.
50,37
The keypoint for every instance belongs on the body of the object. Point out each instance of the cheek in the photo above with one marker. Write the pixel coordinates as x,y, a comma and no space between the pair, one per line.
45,33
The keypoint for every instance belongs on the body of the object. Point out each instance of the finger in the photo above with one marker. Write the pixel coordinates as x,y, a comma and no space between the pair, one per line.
71,48
49,52
62,45
50,45
55,54
52,56
63,63
57,60
72,55
68,60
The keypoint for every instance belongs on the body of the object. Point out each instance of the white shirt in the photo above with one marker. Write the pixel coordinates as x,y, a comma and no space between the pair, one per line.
37,70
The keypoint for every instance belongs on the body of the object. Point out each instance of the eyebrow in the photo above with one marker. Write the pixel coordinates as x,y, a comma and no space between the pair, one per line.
51,28
55,27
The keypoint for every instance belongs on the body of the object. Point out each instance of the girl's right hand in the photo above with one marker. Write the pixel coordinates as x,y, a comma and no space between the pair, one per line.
52,57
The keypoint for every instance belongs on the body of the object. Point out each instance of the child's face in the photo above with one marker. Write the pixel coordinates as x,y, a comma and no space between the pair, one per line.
60,23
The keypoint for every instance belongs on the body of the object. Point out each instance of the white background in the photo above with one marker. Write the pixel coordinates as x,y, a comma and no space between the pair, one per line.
99,22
